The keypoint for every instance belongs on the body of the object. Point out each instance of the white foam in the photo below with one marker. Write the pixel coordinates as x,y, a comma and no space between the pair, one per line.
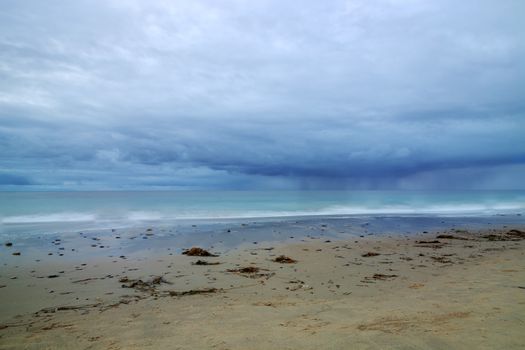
137,216
145,216
459,209
43,218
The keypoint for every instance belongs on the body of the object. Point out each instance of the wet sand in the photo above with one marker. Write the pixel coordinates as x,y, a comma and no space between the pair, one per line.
441,289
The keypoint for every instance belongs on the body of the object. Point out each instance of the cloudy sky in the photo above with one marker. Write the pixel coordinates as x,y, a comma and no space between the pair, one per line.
355,94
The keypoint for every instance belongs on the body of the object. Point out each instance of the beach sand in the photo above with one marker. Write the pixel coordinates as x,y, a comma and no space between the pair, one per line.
421,290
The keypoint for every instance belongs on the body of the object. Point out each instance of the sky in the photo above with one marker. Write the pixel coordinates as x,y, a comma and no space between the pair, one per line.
277,94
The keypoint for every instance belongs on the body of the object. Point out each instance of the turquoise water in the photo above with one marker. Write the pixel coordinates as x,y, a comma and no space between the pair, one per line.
17,208
31,220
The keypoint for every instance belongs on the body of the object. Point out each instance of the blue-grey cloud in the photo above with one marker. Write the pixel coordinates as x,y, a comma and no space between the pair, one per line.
227,94
9,179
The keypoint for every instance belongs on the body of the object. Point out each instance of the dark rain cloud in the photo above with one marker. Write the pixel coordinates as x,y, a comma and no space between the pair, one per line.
270,94
8,179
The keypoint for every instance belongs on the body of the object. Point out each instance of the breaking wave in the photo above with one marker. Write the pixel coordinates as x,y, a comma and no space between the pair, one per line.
140,216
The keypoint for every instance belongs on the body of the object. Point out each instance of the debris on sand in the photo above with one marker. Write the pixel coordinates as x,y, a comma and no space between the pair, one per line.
511,235
441,259
369,254
298,285
249,269
124,300
193,292
283,259
493,237
379,276
140,285
195,251
451,237
204,262
430,244
516,233
52,310
251,272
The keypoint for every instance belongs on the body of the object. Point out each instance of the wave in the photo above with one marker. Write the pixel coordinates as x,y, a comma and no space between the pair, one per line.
457,209
48,218
140,216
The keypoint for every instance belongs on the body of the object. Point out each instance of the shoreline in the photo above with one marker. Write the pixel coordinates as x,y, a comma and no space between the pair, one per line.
339,292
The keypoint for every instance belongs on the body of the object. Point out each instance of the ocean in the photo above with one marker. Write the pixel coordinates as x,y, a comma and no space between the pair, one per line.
43,211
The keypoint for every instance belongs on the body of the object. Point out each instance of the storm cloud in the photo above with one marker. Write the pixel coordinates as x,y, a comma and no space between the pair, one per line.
132,94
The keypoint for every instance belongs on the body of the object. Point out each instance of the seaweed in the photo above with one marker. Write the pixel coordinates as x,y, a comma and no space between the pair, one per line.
195,251
249,269
369,254
451,237
143,286
204,262
193,292
283,259
441,259
251,272
380,277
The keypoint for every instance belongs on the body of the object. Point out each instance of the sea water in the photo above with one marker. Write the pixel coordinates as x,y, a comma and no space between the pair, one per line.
41,211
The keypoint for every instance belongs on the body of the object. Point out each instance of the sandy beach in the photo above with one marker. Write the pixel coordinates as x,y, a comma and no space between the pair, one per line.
437,289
